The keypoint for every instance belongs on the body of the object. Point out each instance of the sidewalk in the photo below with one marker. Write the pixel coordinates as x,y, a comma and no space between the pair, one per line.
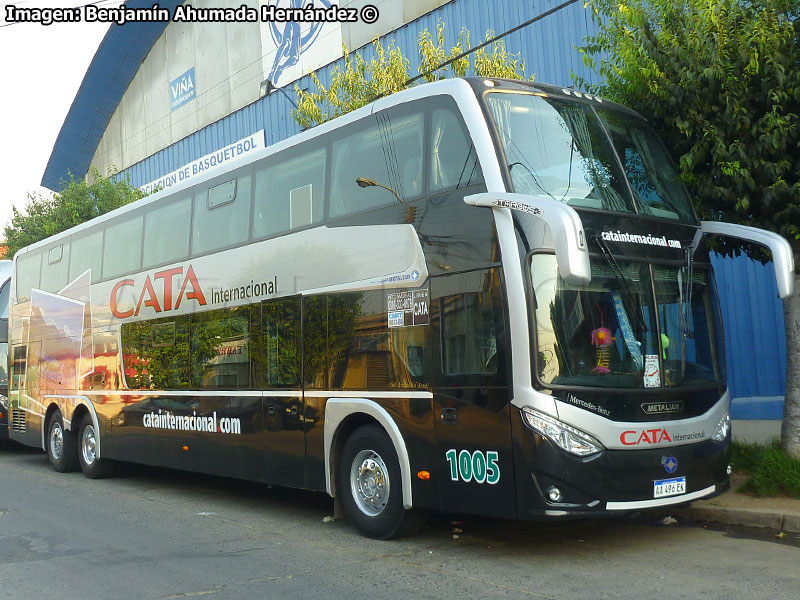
733,508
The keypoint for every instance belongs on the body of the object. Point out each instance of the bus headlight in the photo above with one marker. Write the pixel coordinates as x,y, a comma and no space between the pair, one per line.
724,425
567,438
4,401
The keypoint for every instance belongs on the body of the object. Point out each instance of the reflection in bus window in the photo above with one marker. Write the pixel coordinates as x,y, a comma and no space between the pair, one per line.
279,359
156,353
220,349
387,151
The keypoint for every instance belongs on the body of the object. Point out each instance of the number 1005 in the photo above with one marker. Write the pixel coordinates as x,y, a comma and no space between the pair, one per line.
477,466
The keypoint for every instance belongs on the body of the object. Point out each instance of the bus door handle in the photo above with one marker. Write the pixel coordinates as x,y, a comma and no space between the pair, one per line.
450,415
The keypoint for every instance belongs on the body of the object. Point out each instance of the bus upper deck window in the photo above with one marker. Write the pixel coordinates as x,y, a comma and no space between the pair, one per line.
222,214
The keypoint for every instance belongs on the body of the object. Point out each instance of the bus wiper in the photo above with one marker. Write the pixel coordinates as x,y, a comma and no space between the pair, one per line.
685,311
638,313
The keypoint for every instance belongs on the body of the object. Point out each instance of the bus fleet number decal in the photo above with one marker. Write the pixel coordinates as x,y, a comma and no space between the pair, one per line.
477,466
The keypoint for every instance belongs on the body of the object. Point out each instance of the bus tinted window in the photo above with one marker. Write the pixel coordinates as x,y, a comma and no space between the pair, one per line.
28,268
289,193
453,160
221,349
166,233
383,151
218,221
54,268
5,290
123,251
348,344
87,254
470,308
156,353
278,362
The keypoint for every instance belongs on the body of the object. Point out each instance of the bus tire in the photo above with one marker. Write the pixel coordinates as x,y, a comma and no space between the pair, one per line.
62,446
371,486
92,465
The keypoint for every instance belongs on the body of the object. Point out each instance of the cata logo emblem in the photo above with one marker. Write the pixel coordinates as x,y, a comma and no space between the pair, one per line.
290,41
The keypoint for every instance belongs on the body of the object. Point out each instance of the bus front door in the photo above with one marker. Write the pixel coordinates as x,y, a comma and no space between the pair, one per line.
471,394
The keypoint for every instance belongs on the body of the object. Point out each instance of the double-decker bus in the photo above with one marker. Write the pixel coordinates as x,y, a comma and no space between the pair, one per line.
476,295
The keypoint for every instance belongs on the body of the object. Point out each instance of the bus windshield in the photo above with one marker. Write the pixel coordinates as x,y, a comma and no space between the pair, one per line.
605,334
576,155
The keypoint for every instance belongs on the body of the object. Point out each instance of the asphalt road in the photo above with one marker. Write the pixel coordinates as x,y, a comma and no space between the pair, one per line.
150,533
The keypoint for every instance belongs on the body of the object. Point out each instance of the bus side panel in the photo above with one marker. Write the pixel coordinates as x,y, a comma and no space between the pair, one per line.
220,435
414,419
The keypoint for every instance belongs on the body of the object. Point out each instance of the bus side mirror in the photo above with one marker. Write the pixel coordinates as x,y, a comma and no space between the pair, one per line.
3,331
572,254
782,257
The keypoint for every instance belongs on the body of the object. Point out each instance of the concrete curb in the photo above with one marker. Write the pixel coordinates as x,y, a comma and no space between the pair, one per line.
747,517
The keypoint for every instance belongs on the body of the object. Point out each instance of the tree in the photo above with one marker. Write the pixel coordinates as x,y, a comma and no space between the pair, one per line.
719,80
76,203
358,82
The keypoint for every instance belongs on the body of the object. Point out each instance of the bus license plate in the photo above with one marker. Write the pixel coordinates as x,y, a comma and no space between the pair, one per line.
669,487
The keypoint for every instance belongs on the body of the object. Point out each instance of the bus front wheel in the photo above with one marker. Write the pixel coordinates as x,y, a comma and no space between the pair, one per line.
371,486
92,465
62,448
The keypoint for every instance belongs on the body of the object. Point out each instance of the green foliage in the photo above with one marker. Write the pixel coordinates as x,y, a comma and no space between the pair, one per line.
431,54
76,203
355,84
358,82
772,471
719,80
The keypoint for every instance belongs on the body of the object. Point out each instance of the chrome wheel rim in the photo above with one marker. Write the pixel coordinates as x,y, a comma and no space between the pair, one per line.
369,482
56,441
89,445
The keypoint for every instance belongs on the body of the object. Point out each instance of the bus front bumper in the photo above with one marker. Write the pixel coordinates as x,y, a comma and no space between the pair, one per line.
613,481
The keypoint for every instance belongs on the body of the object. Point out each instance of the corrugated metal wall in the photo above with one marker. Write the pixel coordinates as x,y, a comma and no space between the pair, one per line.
755,337
753,316
547,45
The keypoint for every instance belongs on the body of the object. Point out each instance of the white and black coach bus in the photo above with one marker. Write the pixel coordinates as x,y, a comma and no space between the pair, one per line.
479,296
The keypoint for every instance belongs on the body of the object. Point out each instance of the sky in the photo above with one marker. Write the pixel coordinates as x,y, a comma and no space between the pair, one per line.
41,69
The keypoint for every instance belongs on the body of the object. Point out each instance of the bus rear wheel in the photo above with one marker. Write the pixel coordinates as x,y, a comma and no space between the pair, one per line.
92,465
371,487
62,447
